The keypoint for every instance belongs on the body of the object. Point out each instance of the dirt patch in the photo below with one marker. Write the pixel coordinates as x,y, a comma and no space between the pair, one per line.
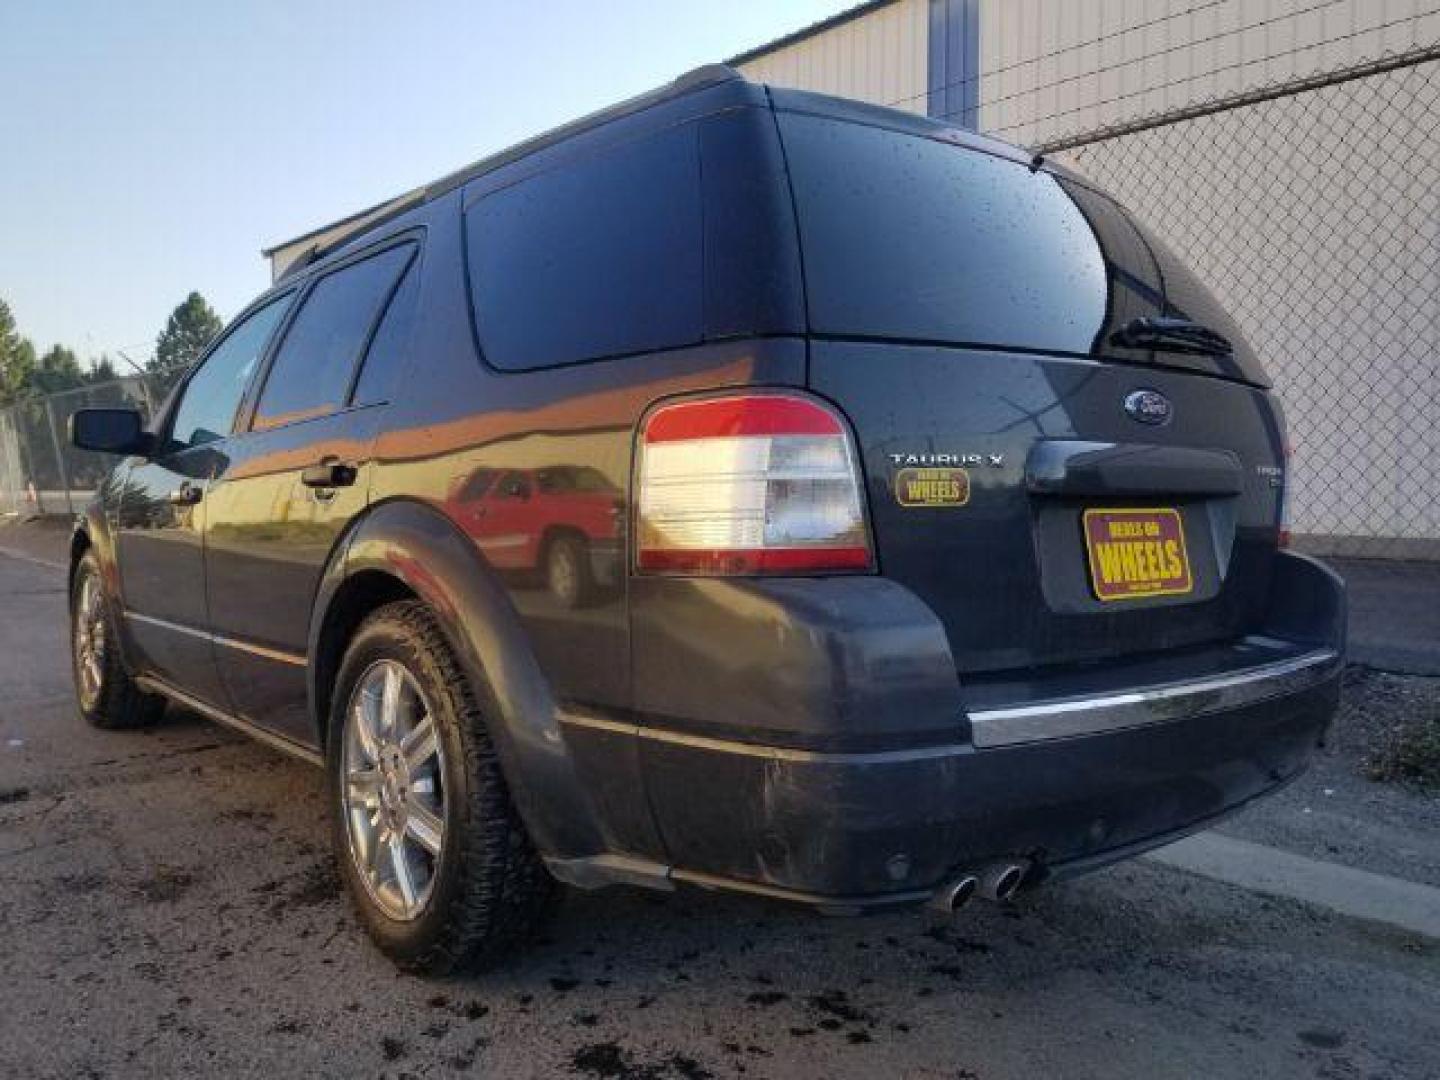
610,1060
319,884
1395,719
767,997
167,885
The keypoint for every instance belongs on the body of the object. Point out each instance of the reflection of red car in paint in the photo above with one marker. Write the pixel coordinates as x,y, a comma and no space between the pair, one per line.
562,520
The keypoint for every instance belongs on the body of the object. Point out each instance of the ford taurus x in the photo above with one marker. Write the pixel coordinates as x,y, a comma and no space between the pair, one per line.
738,488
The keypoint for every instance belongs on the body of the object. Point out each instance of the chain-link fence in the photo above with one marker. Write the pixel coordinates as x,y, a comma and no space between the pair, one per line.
1313,210
40,472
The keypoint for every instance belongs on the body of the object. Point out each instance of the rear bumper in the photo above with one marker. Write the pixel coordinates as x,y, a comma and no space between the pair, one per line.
863,825
1069,783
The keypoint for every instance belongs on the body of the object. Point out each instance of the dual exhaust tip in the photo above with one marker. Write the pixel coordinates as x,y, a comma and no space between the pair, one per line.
998,882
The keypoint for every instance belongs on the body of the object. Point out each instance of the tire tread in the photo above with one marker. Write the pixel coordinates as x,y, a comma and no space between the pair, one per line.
505,893
122,705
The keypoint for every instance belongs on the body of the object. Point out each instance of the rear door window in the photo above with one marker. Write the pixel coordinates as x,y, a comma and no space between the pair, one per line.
597,257
312,370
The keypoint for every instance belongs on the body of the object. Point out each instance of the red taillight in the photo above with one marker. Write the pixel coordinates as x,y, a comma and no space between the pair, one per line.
757,483
1284,539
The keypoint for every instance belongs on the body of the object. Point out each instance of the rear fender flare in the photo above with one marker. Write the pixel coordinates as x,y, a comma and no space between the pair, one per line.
423,549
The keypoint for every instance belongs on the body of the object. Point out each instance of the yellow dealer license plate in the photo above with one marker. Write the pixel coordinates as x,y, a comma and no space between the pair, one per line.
1137,553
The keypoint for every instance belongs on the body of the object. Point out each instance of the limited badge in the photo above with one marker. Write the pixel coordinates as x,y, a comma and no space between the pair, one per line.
932,487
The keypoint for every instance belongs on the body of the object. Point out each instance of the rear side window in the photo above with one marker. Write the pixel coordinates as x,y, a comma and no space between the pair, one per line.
312,370
386,355
597,257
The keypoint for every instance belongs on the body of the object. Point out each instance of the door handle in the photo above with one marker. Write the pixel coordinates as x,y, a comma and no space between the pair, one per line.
187,494
328,474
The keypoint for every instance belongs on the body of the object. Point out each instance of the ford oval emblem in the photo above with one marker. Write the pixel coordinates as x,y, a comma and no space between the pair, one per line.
1149,407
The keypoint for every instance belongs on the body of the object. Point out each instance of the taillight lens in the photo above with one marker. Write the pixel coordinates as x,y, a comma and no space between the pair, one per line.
1285,537
749,484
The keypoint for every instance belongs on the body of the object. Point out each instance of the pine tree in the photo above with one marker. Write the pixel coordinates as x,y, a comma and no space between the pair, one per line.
17,358
191,327
59,369
102,370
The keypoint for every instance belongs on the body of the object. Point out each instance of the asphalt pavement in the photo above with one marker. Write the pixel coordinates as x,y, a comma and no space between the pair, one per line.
1394,614
169,909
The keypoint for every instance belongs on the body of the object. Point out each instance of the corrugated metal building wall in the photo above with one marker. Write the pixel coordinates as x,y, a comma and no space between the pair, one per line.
1272,147
876,53
1054,67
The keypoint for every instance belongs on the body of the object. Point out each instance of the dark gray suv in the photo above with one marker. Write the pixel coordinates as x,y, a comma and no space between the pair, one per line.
738,488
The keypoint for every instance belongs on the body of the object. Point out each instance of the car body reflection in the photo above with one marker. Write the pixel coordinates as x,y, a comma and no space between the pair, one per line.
559,525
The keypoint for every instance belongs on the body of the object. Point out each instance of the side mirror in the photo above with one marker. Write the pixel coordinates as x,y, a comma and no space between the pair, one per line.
110,431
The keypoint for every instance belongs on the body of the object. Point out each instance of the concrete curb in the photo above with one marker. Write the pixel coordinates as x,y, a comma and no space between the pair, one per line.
1343,889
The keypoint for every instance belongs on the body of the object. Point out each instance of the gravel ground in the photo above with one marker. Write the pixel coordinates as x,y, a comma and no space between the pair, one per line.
1335,812
170,909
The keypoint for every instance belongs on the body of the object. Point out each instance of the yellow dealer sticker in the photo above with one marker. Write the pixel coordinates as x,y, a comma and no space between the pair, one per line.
1137,553
932,487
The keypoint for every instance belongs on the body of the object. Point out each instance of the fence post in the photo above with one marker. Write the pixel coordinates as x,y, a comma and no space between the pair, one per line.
59,456
149,399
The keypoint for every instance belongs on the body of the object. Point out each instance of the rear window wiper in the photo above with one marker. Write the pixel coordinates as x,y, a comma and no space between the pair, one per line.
1171,335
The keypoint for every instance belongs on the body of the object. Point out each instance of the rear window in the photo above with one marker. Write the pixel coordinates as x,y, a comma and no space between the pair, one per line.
599,257
911,238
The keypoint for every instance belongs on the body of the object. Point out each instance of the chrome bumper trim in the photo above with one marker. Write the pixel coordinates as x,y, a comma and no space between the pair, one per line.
1153,705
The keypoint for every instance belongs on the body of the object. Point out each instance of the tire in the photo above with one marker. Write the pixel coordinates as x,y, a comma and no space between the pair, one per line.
105,693
477,889
568,575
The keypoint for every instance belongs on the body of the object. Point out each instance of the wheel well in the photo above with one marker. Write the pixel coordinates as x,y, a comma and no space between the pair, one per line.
356,598
79,544
555,532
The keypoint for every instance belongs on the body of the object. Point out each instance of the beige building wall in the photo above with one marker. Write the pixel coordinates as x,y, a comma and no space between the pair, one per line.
282,256
879,57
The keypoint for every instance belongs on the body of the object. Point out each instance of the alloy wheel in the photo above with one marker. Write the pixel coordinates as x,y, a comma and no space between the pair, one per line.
89,640
563,571
393,790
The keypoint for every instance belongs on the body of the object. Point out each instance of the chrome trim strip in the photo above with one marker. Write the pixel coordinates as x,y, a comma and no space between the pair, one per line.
230,643
838,904
293,659
245,727
760,750
1030,723
1088,716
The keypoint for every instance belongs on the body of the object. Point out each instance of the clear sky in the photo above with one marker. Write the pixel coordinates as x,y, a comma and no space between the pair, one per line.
151,147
